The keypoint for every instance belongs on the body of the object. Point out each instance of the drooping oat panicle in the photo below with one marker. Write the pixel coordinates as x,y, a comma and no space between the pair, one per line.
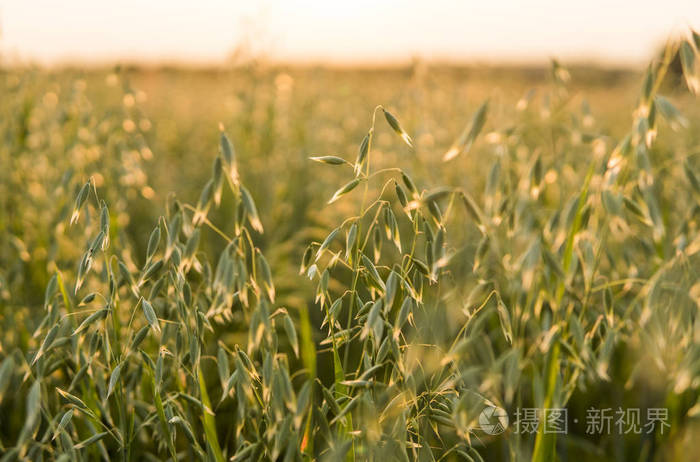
362,152
229,156
332,160
344,190
396,126
466,139
252,211
79,201
690,67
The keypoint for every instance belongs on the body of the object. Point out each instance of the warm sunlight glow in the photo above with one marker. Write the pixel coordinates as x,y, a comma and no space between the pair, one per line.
329,31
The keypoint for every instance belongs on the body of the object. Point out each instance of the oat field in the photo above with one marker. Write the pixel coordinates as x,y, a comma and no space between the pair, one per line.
430,263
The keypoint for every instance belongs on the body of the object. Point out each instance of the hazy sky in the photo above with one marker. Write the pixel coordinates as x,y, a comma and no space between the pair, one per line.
340,31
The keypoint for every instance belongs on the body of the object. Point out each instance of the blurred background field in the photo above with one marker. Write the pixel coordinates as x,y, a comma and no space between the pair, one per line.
277,117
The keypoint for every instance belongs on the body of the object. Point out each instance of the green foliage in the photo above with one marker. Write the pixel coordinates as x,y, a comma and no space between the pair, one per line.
552,261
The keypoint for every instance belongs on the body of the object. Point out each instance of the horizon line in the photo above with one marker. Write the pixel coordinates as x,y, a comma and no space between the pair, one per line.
233,61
